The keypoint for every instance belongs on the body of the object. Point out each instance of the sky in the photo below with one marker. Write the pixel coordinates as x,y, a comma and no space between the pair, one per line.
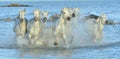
37,0
59,0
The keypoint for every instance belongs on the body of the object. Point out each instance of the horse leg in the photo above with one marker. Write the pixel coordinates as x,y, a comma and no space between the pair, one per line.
65,41
30,39
56,40
35,40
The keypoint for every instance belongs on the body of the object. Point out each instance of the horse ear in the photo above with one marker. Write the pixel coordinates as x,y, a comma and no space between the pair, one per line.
36,13
97,20
22,13
77,9
103,16
47,12
63,10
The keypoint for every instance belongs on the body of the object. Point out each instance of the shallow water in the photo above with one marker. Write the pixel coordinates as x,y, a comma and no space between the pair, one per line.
108,50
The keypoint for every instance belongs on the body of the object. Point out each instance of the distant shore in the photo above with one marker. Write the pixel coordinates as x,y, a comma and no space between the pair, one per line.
16,5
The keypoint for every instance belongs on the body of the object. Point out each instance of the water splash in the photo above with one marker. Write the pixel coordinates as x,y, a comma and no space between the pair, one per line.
77,34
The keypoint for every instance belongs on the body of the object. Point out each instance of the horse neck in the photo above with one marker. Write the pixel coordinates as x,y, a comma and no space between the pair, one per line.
101,25
62,20
23,24
101,21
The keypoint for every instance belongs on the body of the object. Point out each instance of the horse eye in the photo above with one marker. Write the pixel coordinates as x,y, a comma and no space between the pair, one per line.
73,15
68,18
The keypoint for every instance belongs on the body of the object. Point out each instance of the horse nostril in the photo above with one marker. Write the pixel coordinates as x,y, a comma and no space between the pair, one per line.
73,15
106,21
21,20
68,18
44,19
35,19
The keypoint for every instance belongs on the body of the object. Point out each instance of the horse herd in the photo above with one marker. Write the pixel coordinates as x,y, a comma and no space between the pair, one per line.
33,28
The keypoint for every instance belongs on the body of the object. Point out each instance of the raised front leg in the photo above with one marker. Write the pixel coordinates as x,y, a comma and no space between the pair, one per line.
56,40
34,40
30,39
65,41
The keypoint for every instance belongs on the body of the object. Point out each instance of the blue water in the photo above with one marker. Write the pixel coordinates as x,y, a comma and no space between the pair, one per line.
106,51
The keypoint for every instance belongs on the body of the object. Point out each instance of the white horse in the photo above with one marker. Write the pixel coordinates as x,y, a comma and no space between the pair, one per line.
21,25
65,18
99,28
44,16
76,12
101,22
34,28
54,17
96,26
75,16
52,21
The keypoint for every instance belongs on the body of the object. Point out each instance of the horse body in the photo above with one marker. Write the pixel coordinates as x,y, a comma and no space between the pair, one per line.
21,25
34,28
63,22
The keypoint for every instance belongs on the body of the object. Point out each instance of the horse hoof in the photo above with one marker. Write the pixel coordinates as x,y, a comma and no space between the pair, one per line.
55,43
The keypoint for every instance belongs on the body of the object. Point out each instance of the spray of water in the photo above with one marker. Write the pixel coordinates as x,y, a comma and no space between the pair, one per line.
81,33
78,33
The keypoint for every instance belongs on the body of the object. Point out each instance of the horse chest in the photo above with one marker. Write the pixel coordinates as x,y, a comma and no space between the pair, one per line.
35,28
23,26
61,26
